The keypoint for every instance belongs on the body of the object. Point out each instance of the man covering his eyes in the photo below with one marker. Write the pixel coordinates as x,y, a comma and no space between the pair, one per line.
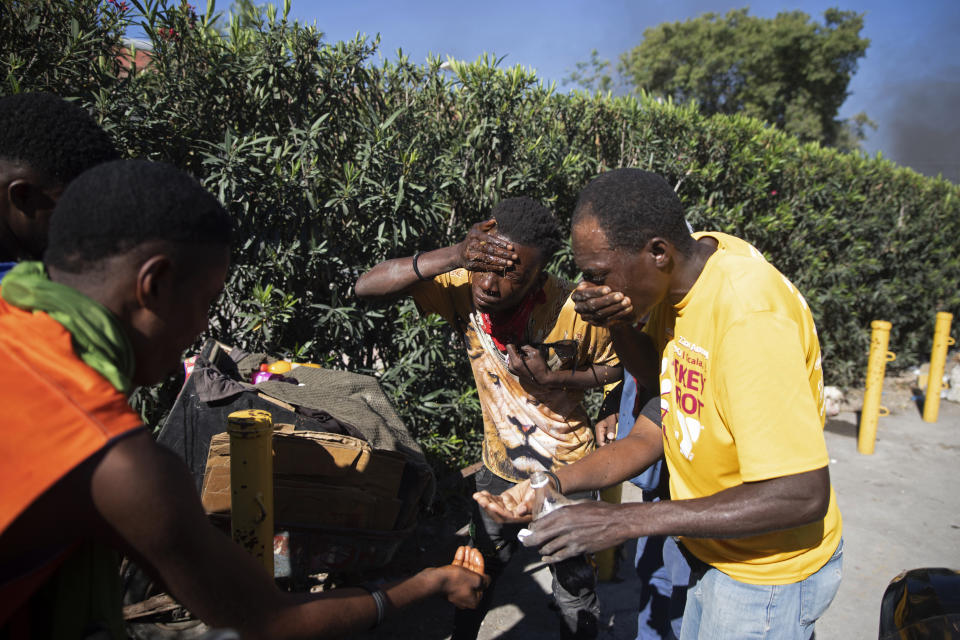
532,358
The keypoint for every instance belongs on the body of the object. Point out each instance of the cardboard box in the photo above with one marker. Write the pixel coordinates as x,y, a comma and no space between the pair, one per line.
337,459
308,503
215,495
319,478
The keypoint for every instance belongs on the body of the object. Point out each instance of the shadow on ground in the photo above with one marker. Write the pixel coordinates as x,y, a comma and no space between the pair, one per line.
843,427
434,543
522,603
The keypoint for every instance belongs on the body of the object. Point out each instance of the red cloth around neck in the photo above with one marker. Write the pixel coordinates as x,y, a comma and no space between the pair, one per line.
510,328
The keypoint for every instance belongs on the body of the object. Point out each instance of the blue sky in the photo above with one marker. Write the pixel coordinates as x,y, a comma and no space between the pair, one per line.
908,82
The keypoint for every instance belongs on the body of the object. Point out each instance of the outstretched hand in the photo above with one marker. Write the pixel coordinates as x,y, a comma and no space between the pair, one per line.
469,558
512,506
483,250
601,306
463,580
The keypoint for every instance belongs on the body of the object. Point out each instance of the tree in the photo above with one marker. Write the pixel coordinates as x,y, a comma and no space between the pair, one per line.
789,70
592,75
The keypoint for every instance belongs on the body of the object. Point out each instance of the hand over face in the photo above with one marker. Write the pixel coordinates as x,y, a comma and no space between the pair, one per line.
511,506
483,250
601,306
576,529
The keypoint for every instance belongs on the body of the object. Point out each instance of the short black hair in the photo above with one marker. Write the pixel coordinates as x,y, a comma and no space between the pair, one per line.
527,222
117,206
52,135
632,206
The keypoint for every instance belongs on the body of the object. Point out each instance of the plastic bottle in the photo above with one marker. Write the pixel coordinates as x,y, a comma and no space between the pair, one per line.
280,366
269,372
545,497
574,574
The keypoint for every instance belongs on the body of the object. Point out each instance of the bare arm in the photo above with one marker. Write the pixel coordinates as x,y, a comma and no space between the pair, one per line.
596,375
616,462
749,509
603,467
527,363
394,278
481,250
146,498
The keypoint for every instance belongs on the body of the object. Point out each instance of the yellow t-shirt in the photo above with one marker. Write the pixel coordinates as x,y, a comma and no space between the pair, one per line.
523,433
741,391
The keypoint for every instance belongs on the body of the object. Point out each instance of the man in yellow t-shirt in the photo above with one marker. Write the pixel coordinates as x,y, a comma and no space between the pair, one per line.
742,417
532,358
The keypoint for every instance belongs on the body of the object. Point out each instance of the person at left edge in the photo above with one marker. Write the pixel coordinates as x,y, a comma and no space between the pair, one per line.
493,289
137,253
45,142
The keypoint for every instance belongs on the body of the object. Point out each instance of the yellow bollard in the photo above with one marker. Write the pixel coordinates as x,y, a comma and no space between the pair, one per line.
251,483
938,358
607,559
877,364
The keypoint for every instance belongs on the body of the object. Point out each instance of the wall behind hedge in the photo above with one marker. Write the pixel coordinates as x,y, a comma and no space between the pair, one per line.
331,160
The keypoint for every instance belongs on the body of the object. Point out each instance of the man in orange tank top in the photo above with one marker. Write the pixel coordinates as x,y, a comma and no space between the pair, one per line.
137,253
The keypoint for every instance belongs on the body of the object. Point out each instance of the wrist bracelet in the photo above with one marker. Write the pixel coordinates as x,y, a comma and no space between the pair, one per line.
554,477
380,599
416,269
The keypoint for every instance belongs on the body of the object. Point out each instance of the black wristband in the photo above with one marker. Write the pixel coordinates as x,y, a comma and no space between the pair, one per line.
416,269
380,599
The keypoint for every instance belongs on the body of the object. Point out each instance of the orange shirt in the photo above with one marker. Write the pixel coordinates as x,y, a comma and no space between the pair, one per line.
57,412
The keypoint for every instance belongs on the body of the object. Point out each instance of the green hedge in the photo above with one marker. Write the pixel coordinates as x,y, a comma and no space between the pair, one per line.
331,162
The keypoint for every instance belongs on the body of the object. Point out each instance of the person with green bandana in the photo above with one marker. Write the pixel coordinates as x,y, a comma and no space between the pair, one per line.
137,253
45,142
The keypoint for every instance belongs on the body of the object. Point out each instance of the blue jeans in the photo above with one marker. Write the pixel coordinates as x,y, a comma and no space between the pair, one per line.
649,478
664,575
719,607
661,567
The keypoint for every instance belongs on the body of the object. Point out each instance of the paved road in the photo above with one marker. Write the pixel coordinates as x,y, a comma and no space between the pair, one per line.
901,510
900,507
